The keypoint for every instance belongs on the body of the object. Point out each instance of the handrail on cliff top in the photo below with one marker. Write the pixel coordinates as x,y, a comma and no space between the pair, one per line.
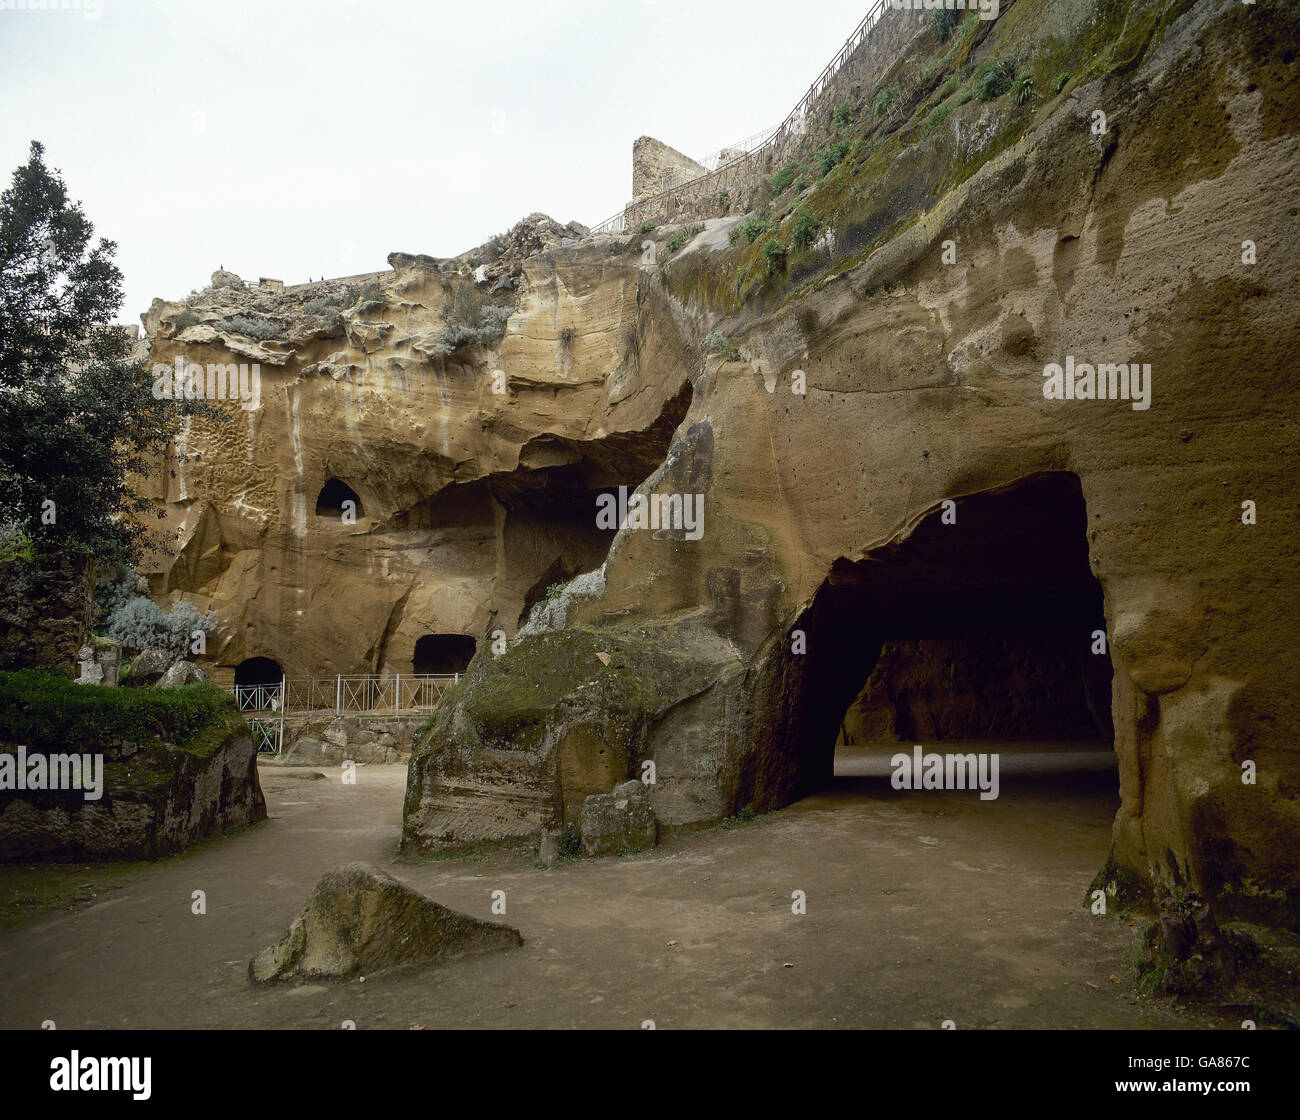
614,223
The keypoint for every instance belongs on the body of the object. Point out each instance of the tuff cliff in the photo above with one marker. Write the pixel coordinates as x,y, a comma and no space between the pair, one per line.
469,444
1071,183
852,376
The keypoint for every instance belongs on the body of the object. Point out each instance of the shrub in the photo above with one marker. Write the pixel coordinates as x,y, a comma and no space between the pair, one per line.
140,623
843,115
950,86
724,201
1058,83
495,245
15,545
647,227
719,344
773,254
257,329
831,156
733,234
372,292
935,119
993,79
470,322
805,229
47,712
1022,89
752,228
186,318
885,100
943,21
783,178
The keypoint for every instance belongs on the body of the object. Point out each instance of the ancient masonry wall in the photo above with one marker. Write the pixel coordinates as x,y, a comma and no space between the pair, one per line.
855,80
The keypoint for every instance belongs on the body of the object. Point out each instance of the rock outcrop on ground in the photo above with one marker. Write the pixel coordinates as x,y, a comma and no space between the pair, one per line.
170,771
360,921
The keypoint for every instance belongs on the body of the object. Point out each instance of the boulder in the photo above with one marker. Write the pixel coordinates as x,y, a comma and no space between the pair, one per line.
621,821
183,672
148,667
360,921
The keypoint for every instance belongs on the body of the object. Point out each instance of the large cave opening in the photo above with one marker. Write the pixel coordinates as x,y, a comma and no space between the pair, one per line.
984,626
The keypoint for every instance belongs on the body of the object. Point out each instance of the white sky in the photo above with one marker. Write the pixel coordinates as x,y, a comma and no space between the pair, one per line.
310,138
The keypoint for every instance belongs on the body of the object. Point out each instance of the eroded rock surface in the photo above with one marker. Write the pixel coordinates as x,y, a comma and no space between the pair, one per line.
360,921
924,414
620,821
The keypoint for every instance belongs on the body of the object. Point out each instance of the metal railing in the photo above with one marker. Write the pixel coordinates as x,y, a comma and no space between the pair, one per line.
367,693
259,697
268,735
795,124
419,693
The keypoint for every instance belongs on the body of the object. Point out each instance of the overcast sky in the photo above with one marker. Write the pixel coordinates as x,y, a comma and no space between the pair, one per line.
310,138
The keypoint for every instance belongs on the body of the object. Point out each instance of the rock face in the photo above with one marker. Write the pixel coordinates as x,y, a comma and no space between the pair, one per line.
886,462
156,800
359,921
621,821
46,608
467,503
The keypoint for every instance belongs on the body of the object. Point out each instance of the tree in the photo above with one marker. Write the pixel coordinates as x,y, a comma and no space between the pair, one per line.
79,424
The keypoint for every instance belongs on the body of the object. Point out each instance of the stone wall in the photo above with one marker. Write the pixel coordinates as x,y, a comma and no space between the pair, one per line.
656,166
327,740
46,608
158,799
856,80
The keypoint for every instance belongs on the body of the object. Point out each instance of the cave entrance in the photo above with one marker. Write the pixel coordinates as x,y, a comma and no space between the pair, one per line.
258,683
338,501
253,671
442,654
983,631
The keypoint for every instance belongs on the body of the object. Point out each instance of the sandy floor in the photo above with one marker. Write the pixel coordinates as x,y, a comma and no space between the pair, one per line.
921,907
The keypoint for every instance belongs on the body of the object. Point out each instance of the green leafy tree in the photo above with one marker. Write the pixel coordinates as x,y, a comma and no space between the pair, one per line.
79,424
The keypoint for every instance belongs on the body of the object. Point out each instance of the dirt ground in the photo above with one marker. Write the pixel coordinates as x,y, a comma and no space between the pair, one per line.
921,907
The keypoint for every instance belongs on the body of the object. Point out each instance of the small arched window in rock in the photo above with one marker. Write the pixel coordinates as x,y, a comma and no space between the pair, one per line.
339,502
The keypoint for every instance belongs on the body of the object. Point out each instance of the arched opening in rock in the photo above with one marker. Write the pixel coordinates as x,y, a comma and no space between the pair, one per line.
333,495
974,634
257,671
442,654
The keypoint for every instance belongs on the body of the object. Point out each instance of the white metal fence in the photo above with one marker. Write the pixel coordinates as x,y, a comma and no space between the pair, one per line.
358,694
